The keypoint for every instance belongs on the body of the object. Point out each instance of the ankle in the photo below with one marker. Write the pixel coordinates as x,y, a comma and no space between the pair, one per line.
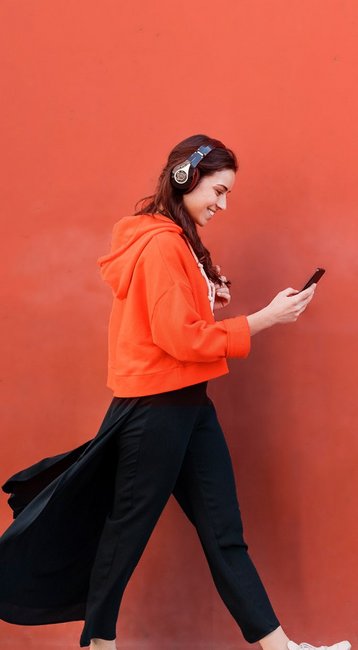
102,644
275,640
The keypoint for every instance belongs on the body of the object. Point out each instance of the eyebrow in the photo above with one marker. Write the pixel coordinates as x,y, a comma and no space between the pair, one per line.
225,188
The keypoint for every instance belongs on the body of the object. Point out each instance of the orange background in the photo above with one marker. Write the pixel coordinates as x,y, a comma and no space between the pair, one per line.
95,95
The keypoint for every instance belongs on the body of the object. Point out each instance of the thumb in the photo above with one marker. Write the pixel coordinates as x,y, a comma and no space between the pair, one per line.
289,291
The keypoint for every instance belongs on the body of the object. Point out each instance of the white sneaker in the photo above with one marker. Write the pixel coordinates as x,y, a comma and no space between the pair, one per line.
341,645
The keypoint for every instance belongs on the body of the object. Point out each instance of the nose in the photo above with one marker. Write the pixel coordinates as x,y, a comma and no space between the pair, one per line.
221,202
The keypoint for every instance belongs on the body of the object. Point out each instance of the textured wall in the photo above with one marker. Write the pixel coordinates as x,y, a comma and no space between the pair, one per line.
94,96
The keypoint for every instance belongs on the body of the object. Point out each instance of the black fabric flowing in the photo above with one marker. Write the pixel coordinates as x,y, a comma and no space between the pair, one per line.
59,504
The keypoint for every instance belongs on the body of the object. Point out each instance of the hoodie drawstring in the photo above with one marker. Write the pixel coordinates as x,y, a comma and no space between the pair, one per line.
210,283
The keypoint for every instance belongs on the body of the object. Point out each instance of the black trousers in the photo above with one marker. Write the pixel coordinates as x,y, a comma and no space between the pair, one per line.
173,444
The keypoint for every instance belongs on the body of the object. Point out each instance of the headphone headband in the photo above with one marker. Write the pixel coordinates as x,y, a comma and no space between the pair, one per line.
199,154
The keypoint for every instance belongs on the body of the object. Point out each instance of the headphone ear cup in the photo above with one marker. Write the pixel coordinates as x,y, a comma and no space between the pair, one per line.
184,175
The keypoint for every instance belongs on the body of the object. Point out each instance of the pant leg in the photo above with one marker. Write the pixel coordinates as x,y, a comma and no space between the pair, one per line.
206,491
151,449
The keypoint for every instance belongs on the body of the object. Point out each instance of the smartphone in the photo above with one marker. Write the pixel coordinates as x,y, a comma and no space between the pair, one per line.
314,278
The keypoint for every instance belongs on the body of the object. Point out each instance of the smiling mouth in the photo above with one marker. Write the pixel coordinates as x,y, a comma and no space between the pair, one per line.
211,212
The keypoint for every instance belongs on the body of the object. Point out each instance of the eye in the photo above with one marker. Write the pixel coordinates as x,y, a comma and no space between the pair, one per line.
218,192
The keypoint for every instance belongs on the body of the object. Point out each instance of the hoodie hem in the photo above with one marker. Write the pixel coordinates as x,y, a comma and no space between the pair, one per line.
162,382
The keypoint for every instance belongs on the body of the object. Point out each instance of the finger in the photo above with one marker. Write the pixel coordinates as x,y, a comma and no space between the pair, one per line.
302,310
289,291
304,296
222,301
218,268
306,300
308,292
301,306
223,294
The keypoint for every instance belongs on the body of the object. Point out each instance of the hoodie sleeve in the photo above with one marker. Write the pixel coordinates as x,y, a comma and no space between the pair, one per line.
180,331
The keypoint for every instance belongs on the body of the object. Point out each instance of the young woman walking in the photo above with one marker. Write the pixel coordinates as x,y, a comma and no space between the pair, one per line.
164,347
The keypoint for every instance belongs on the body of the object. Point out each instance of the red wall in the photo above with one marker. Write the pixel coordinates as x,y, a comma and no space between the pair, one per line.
95,94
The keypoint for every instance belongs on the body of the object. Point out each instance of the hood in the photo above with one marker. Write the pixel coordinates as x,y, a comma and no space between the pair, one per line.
130,236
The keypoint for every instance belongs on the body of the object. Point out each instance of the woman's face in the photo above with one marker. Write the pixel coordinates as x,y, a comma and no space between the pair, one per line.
209,196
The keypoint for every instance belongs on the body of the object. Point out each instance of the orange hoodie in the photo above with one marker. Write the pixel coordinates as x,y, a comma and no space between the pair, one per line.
162,332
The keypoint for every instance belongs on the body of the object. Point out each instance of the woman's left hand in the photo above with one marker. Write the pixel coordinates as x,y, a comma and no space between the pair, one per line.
222,293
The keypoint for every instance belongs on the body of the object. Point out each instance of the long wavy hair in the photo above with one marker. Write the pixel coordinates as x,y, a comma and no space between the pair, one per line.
169,201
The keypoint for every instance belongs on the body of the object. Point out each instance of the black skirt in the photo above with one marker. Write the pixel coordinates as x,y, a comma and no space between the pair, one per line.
60,505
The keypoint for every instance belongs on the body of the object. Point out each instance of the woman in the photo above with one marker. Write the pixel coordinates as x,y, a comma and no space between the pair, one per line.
164,347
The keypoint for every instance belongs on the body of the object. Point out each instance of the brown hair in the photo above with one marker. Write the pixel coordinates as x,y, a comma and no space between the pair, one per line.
168,201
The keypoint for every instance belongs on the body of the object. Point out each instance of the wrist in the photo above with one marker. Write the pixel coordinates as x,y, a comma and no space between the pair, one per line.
260,320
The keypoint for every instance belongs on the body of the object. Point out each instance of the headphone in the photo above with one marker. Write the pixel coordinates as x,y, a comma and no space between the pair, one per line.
185,176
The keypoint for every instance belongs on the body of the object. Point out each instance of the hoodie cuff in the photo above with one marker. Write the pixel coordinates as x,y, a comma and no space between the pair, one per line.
238,336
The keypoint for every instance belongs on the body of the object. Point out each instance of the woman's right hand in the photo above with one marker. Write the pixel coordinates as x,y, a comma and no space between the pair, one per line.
286,307
289,304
